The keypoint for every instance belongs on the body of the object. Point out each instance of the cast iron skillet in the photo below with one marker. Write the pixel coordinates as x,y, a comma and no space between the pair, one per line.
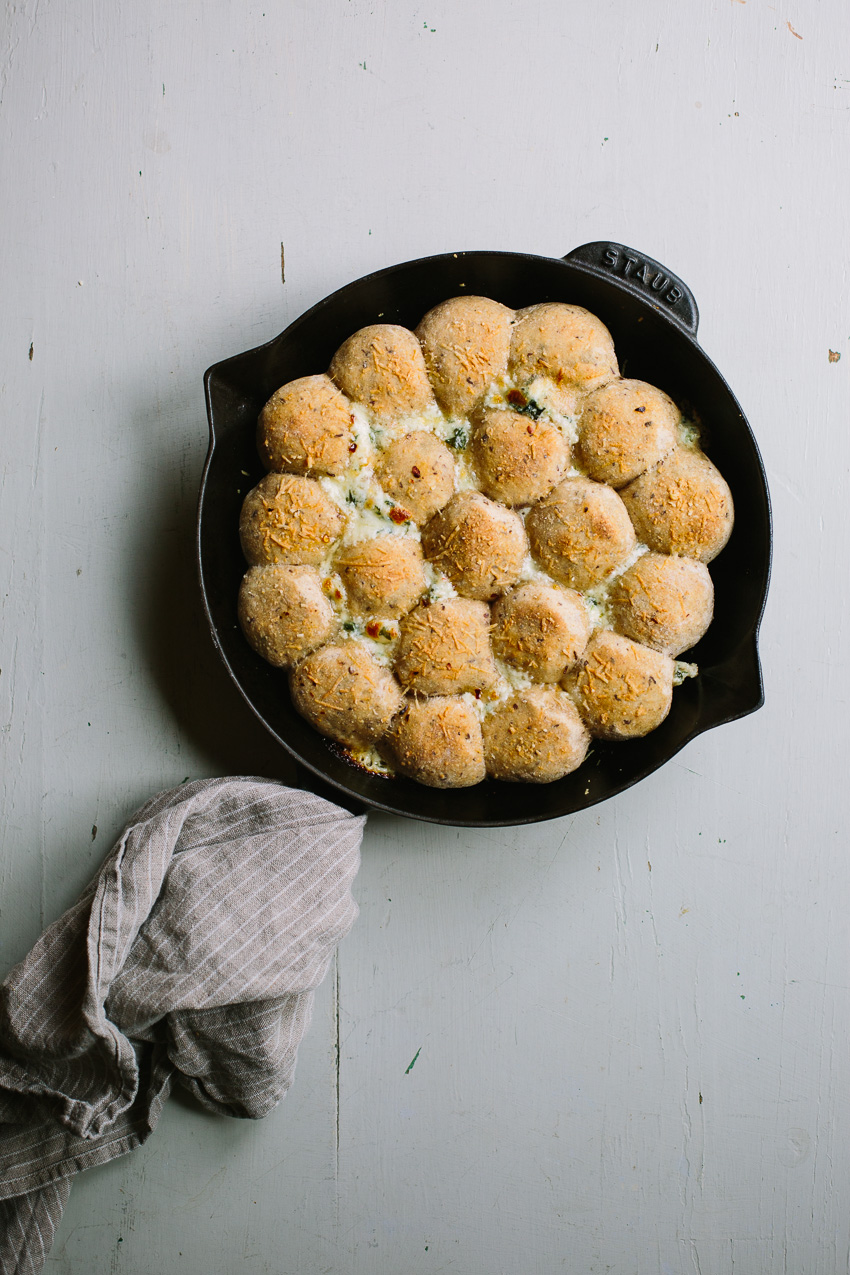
653,319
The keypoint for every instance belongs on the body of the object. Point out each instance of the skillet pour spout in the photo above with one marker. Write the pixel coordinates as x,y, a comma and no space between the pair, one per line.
653,318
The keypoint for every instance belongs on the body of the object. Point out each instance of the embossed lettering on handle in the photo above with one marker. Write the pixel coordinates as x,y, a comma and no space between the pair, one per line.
642,275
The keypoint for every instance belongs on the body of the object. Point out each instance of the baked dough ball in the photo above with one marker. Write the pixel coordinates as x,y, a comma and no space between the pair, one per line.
580,532
384,576
518,459
465,342
284,613
418,472
535,737
481,546
438,742
346,694
565,342
622,690
382,367
683,505
288,519
626,427
666,603
540,628
444,648
305,428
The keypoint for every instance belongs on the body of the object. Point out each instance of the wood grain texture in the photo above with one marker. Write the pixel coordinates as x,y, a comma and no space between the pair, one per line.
617,1067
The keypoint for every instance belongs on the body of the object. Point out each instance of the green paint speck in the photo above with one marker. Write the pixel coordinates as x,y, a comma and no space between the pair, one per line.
412,1061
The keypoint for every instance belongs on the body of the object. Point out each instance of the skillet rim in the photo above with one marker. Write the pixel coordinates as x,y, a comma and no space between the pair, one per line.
750,693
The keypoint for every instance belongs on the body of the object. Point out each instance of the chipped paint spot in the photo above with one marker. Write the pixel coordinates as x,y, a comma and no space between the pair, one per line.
834,355
282,266
796,34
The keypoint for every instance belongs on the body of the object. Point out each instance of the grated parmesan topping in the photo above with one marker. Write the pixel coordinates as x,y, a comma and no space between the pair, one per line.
368,509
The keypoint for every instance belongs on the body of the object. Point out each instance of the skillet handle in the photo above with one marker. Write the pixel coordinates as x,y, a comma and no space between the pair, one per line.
639,274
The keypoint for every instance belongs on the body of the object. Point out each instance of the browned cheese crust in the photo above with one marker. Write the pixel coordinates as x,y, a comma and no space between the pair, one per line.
345,694
683,505
444,648
288,519
622,690
580,533
540,628
382,366
383,576
305,428
481,546
535,737
418,472
666,603
465,342
625,428
438,742
565,342
518,460
513,376
284,613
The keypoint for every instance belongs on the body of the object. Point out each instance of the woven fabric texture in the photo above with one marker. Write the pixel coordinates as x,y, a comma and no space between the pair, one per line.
193,955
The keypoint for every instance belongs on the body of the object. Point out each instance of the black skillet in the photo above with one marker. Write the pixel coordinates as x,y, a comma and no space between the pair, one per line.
653,319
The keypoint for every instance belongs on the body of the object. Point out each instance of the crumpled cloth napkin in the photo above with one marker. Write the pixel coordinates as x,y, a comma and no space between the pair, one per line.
195,953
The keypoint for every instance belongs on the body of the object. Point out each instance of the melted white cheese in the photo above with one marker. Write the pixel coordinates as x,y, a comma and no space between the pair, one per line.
689,435
682,671
367,508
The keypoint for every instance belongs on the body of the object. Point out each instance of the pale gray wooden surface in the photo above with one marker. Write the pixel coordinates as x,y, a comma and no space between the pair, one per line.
619,1069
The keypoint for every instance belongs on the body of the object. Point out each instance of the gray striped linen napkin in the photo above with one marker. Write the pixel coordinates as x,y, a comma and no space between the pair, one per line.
194,954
